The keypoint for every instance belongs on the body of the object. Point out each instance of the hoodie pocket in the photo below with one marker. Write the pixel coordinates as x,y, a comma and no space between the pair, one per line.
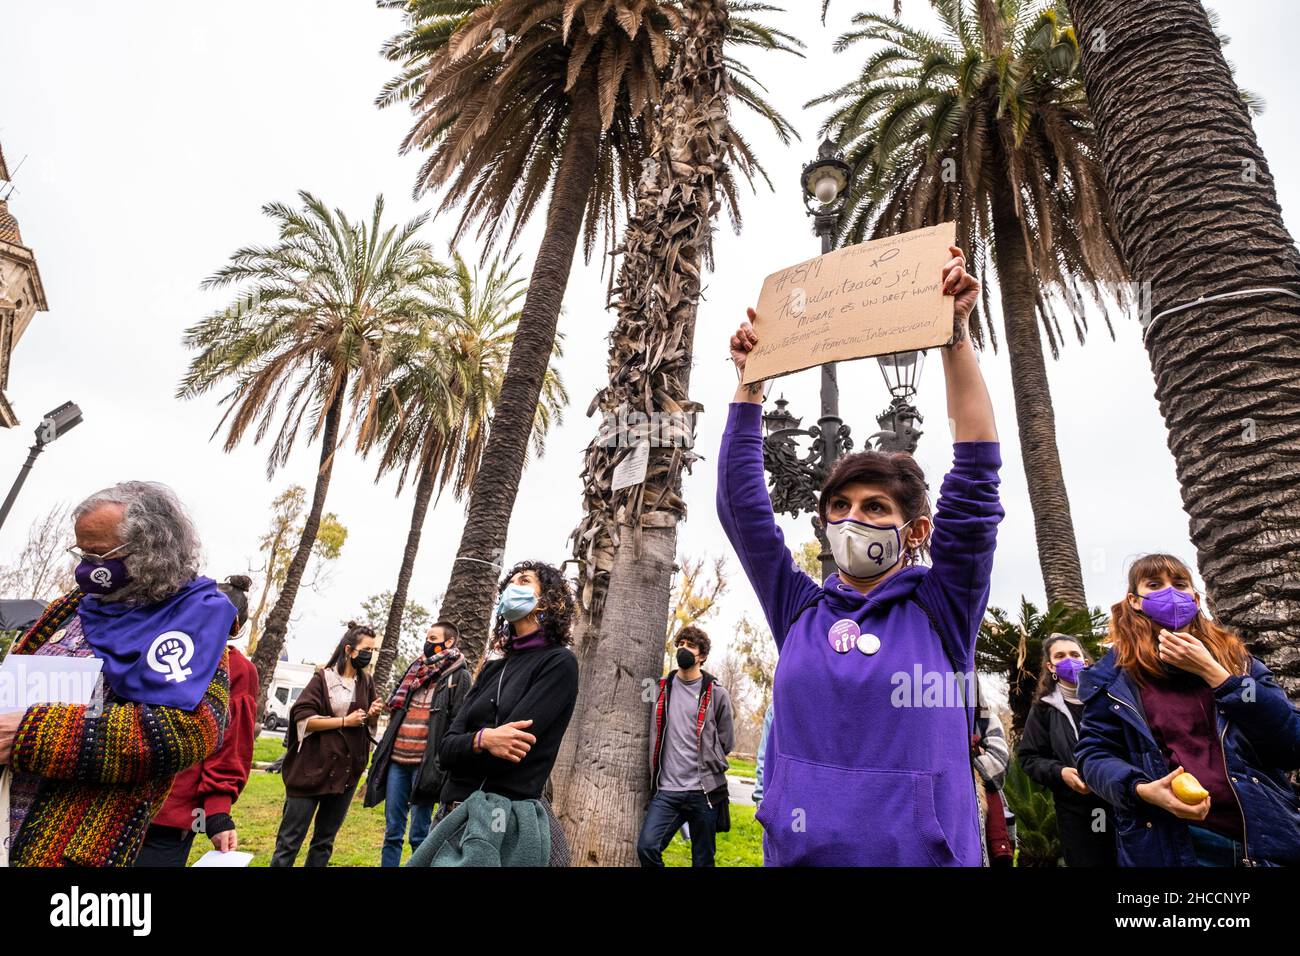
822,815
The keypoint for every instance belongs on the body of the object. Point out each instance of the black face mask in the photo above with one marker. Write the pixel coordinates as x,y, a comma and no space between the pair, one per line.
362,660
430,648
685,659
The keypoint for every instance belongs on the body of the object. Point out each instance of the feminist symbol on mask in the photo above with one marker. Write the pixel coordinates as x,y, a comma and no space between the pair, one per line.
101,576
876,552
169,653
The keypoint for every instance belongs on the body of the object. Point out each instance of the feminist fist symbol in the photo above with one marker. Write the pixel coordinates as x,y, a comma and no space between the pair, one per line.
169,654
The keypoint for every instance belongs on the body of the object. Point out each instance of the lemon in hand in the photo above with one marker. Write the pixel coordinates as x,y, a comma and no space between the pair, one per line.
1188,789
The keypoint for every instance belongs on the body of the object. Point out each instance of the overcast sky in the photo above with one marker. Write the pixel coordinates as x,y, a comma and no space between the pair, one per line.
153,132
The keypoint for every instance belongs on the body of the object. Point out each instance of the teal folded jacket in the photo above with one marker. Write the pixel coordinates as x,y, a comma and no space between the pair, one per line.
488,830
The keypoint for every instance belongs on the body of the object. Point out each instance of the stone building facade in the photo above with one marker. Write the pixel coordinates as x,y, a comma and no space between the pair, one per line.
21,292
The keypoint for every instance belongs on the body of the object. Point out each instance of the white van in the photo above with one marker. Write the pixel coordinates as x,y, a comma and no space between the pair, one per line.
288,683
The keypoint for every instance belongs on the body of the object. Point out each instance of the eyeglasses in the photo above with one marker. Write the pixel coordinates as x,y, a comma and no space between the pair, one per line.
81,555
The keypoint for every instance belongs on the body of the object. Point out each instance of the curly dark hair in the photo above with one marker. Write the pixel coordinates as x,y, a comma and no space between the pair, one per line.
556,605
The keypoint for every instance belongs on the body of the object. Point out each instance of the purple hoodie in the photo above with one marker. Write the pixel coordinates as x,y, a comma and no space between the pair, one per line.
857,772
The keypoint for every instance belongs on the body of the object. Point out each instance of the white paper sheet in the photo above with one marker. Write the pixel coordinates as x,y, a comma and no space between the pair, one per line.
236,858
27,680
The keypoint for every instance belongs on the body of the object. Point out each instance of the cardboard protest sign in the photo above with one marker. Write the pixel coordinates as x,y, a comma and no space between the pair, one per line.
874,298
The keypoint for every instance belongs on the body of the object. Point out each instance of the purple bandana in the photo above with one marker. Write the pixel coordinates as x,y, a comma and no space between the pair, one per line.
161,654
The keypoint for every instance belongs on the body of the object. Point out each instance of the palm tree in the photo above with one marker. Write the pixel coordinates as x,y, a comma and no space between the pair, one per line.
988,125
1197,215
1013,648
309,337
654,346
432,416
516,100
627,541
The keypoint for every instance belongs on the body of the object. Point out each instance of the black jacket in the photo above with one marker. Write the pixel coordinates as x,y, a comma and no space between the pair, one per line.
539,684
448,695
1047,747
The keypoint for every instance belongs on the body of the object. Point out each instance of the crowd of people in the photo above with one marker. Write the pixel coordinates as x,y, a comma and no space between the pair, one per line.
847,772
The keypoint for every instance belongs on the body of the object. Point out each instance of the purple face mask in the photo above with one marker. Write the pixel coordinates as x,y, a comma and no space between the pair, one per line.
104,578
1068,669
1170,608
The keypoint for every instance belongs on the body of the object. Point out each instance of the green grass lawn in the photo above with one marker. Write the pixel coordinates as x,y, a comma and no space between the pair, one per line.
743,846
740,767
267,748
258,812
257,818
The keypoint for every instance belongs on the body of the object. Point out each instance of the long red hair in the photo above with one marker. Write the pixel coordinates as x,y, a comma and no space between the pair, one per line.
1135,636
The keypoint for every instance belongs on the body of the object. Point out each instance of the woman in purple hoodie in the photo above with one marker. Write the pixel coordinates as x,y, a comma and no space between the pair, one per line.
868,758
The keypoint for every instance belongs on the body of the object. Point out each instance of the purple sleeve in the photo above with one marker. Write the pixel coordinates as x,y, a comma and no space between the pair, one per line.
965,533
745,510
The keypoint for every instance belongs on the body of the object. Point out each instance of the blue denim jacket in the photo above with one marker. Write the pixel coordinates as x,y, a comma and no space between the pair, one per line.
1259,730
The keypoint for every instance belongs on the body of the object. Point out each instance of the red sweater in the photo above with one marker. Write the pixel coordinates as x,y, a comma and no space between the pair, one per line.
214,784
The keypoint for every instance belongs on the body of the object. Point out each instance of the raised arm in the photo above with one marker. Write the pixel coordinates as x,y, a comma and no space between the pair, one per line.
970,410
969,510
745,510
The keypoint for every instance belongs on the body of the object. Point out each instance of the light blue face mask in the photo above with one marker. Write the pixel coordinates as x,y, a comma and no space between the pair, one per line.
517,602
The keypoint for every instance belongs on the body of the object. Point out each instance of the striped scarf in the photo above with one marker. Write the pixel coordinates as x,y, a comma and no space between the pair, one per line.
421,672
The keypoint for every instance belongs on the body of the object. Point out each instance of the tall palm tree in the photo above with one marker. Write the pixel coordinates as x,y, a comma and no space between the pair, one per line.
988,125
1197,215
627,540
309,337
432,417
516,100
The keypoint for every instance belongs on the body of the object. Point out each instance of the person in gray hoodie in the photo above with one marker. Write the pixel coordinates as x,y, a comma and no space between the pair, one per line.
1046,753
691,733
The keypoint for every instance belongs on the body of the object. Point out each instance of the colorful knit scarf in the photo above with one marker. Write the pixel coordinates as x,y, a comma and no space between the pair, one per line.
422,671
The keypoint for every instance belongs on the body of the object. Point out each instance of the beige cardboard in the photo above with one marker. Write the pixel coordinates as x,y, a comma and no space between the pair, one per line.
874,298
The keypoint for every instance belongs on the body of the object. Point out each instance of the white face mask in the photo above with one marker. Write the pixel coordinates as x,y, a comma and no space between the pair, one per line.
865,550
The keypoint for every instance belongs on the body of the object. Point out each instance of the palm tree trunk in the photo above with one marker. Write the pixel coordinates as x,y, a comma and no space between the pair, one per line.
627,541
255,619
1197,215
277,623
604,797
1058,552
471,591
586,638
393,629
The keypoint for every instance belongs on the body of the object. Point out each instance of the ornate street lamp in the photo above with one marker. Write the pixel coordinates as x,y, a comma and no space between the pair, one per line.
796,478
898,422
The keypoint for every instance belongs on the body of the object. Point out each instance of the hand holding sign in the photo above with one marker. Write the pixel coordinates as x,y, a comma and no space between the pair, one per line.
896,294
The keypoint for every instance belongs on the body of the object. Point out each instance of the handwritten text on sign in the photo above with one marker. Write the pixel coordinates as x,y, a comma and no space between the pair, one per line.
875,298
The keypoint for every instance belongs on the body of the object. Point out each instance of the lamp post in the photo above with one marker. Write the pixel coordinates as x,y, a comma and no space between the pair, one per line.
794,479
64,418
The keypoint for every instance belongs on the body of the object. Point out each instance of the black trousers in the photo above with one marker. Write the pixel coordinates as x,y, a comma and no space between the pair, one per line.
329,812
1081,844
165,846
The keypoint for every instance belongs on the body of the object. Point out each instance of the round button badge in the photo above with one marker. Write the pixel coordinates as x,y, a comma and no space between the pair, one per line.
868,644
843,635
